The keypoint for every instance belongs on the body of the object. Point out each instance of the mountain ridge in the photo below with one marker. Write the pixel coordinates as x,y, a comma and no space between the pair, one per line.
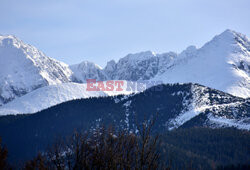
222,63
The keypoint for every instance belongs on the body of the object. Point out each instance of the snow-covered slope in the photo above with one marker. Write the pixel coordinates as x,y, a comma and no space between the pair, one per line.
24,68
211,108
223,64
52,95
48,96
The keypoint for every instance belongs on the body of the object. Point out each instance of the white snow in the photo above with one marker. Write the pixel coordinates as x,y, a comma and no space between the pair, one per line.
200,104
183,118
48,96
127,104
216,65
224,122
192,109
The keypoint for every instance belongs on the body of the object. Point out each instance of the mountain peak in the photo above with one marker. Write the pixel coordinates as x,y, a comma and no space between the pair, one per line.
222,63
226,36
140,55
87,70
10,40
228,41
24,67
7,36
229,31
230,35
89,64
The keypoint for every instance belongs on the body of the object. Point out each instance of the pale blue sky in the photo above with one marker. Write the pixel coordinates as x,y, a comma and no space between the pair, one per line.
100,30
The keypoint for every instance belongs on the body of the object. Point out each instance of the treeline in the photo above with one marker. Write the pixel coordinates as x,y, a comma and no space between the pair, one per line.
206,148
108,148
102,148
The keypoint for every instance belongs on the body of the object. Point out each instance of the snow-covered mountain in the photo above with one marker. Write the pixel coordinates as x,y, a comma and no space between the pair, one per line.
211,108
223,63
24,68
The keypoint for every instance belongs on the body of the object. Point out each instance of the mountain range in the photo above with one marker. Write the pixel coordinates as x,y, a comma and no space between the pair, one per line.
42,98
30,81
223,63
